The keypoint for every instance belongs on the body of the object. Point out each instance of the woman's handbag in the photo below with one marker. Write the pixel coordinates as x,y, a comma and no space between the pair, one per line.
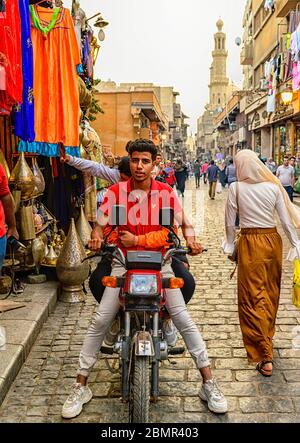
234,256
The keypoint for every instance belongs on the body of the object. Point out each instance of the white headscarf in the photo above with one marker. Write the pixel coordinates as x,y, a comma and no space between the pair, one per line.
250,169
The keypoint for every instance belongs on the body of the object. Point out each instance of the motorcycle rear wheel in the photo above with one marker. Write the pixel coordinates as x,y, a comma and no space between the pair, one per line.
140,390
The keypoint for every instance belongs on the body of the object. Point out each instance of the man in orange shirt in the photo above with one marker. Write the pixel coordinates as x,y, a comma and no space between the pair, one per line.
143,197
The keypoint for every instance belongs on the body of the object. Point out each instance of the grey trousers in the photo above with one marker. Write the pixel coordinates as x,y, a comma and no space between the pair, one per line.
109,307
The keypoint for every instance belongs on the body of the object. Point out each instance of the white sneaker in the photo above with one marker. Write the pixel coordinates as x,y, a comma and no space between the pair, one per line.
211,393
78,397
169,332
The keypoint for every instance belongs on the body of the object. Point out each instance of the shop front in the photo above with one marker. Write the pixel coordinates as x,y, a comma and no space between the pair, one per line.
286,129
37,116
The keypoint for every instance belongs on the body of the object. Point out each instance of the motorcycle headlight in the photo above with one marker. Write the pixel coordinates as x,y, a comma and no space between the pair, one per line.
143,284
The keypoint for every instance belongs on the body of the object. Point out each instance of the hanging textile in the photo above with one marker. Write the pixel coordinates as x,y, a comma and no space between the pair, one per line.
271,103
10,58
79,19
46,149
296,76
270,5
24,114
87,59
56,55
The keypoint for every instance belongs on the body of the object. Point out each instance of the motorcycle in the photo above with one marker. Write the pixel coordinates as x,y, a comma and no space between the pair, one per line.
140,343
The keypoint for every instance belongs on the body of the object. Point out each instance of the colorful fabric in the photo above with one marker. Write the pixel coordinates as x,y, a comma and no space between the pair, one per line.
55,60
24,114
44,29
296,76
4,190
46,149
11,57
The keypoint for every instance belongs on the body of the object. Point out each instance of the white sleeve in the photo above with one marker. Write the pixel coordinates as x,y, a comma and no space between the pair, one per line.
288,227
95,169
230,217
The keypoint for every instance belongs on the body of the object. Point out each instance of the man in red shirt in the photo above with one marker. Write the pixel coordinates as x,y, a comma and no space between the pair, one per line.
7,215
143,197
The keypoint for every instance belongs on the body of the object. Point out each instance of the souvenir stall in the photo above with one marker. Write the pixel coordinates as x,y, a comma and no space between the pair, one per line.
46,81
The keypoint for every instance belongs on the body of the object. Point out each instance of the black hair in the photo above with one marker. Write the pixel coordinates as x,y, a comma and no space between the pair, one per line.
212,162
231,161
124,166
143,145
128,145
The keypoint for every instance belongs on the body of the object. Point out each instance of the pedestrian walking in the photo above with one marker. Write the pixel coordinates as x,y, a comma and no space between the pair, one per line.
230,173
256,196
231,178
169,174
156,171
204,169
286,175
222,174
197,173
181,174
271,165
212,175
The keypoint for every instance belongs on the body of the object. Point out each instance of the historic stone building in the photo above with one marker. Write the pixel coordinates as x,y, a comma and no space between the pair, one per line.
220,89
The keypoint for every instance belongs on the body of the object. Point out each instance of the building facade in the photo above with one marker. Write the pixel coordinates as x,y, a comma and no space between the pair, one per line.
129,113
273,122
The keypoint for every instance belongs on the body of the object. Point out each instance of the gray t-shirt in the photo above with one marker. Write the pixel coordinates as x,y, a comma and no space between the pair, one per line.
286,175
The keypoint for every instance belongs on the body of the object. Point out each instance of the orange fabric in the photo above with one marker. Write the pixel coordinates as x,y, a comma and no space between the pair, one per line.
259,280
55,80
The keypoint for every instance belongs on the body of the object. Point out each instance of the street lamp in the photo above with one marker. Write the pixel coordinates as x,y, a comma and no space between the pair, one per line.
287,96
101,23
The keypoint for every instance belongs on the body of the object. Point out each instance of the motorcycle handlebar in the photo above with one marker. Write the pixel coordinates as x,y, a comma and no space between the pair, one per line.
106,248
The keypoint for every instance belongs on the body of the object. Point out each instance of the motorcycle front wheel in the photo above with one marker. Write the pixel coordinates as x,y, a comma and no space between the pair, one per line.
140,391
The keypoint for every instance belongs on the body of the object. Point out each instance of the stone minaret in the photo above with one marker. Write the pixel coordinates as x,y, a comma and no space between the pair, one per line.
219,82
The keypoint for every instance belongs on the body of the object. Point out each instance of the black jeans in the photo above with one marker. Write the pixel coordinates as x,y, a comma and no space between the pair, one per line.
197,178
104,269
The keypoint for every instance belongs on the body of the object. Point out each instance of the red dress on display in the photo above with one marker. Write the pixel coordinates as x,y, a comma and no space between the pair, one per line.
10,58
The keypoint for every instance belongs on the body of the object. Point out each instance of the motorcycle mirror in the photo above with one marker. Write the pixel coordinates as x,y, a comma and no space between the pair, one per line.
118,216
166,217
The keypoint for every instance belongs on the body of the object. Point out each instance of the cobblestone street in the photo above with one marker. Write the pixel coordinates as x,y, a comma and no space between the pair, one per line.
43,383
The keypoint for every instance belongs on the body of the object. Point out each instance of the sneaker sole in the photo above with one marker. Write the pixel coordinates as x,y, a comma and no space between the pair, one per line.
66,415
216,411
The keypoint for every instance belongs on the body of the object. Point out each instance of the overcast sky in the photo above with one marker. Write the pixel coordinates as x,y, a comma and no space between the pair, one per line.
167,42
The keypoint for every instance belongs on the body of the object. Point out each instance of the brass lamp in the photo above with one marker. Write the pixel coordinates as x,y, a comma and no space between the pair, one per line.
100,23
287,96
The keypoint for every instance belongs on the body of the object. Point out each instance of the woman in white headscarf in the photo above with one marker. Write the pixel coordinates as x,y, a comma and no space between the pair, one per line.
256,197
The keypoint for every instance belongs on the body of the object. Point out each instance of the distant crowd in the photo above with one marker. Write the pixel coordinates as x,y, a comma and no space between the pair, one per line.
220,174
